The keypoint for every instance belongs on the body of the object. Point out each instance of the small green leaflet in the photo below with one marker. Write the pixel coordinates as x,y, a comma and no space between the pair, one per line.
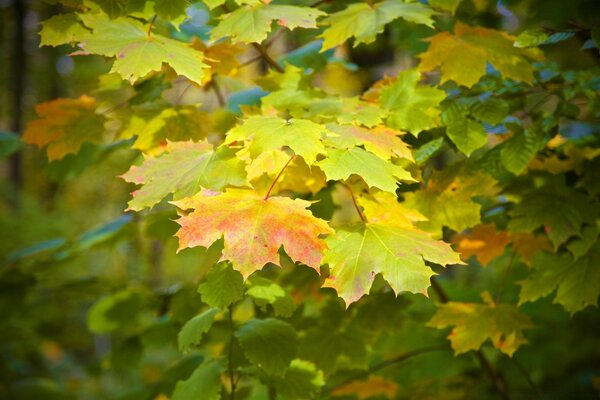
302,380
304,137
448,5
137,51
270,344
518,151
467,135
411,107
264,292
252,23
204,383
475,323
223,286
376,172
184,170
364,21
356,255
193,330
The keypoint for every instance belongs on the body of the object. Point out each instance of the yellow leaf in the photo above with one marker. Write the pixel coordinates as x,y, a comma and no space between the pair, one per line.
483,241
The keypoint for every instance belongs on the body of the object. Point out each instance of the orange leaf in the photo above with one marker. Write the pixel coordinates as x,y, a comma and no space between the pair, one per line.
254,229
374,386
484,242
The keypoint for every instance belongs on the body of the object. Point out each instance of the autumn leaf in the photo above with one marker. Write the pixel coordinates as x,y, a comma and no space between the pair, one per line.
253,228
183,170
63,125
252,23
483,241
137,51
61,29
355,255
364,21
384,208
475,323
462,56
529,244
221,56
369,388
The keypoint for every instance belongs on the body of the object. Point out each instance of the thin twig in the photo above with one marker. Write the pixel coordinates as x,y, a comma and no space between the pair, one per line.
151,25
232,379
265,56
505,277
527,377
217,90
387,363
497,380
278,176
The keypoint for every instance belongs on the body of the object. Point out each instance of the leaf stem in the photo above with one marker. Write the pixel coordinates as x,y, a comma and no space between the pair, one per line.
151,25
232,379
505,277
278,176
356,207
496,379
386,363
217,89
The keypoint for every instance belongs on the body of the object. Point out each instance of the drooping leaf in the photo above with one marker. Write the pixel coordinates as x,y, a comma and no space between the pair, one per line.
252,23
341,164
462,56
184,170
411,107
272,133
63,125
139,52
204,382
519,150
356,255
365,21
475,323
577,280
270,344
483,241
466,134
195,328
223,286
254,228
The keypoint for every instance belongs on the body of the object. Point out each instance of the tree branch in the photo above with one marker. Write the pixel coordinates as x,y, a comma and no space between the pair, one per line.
265,56
356,207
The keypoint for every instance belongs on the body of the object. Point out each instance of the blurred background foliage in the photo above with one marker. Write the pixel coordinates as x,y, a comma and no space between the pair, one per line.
92,298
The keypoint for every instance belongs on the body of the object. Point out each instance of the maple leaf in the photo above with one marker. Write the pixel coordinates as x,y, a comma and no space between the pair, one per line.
252,23
447,199
253,228
221,56
273,133
137,51
374,386
475,323
63,125
383,208
483,241
61,29
577,279
184,170
462,56
411,107
355,255
154,124
529,244
381,141
365,21
376,172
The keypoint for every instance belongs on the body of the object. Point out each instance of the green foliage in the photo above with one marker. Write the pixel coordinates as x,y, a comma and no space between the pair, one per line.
315,195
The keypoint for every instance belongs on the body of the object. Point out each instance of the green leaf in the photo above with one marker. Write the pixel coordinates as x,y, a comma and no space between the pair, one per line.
411,107
355,256
491,111
560,210
204,383
252,23
192,331
264,292
577,280
223,286
137,52
273,133
425,152
448,5
341,164
61,29
115,312
9,143
518,151
270,344
184,170
171,10
302,380
475,323
466,134
531,38
380,141
365,21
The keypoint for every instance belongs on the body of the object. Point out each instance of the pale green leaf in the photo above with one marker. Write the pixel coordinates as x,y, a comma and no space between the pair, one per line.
223,286
61,29
193,330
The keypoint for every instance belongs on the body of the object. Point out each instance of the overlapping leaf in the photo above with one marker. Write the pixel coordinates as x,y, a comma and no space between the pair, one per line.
483,241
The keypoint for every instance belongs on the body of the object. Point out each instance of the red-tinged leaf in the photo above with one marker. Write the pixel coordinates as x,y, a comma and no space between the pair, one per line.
254,229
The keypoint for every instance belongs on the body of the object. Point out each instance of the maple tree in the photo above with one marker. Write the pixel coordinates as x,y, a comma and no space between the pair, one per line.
297,214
